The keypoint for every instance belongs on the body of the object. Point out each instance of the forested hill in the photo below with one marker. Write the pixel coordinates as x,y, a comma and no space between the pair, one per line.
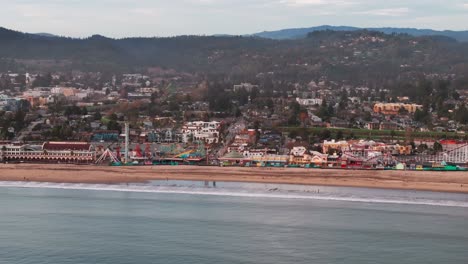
340,55
294,33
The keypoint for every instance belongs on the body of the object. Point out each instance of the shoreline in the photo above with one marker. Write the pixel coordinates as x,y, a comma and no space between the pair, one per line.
456,182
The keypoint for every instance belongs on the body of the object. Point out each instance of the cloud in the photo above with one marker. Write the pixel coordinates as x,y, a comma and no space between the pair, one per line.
390,12
465,5
144,11
296,3
27,10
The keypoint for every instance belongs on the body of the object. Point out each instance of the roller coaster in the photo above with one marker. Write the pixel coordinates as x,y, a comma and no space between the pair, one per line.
458,155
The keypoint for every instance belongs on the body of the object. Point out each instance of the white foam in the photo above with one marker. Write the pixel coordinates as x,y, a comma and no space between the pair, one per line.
224,192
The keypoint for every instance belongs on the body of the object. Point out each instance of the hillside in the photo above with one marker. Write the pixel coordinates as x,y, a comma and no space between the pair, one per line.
354,56
294,33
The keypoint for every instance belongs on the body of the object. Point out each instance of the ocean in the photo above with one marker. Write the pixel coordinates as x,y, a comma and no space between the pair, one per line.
189,222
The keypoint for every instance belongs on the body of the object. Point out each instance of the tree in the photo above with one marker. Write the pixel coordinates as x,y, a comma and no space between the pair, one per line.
402,111
324,111
238,112
113,125
343,100
113,117
173,106
339,135
19,120
84,111
437,147
382,96
461,114
293,134
43,80
422,116
422,147
325,134
97,115
295,112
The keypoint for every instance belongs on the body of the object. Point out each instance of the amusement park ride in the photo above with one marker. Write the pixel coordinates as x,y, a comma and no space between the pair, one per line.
165,154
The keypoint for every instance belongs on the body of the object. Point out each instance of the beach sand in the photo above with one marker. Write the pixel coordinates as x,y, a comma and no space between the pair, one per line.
411,180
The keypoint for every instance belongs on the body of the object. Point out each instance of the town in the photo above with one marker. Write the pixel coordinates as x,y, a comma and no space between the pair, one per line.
163,117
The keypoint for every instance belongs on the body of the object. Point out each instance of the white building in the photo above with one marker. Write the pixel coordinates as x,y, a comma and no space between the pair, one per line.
246,86
298,151
36,93
309,102
207,132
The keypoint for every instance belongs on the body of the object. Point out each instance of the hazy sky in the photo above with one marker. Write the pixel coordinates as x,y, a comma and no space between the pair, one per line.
122,18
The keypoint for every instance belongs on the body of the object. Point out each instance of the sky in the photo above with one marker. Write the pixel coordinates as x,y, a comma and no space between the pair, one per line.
133,18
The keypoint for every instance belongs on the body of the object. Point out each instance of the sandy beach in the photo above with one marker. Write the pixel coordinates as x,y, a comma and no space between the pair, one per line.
411,180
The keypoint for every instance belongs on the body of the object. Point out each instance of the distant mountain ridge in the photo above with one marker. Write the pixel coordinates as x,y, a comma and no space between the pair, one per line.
352,56
44,34
296,33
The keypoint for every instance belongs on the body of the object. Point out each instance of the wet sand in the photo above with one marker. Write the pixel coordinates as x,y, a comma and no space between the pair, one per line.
411,180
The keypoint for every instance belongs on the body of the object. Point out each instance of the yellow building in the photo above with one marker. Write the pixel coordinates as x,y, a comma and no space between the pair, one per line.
335,145
394,108
404,150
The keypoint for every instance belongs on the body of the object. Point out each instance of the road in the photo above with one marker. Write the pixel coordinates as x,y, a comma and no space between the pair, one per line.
27,131
234,129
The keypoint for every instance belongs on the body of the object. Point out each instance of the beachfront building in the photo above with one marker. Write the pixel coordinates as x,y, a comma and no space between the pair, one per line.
234,158
299,156
318,159
332,145
271,160
240,143
50,152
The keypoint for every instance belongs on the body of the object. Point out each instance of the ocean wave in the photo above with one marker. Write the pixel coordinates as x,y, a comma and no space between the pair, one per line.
229,192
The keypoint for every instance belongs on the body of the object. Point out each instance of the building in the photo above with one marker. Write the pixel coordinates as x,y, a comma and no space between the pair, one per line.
246,86
271,160
255,153
373,125
394,108
318,159
164,136
38,97
50,152
314,119
10,104
388,126
234,158
309,102
339,146
207,132
299,156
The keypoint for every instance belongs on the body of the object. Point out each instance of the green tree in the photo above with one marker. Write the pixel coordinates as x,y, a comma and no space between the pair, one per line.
461,114
339,135
325,134
437,147
113,125
97,115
